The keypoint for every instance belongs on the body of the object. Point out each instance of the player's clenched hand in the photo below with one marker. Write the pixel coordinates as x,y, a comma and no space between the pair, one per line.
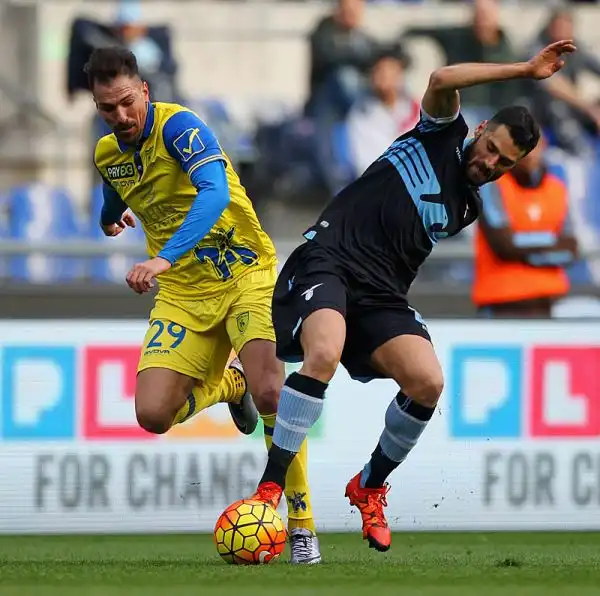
115,229
140,278
550,59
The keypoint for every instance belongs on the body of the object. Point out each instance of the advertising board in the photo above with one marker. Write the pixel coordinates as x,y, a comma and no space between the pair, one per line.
513,445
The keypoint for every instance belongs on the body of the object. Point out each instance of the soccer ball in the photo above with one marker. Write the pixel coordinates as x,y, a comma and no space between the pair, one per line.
249,533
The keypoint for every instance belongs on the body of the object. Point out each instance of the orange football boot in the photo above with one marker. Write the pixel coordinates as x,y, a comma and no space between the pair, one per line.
268,492
370,502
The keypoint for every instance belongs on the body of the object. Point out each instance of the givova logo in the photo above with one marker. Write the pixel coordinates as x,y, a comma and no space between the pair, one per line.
118,171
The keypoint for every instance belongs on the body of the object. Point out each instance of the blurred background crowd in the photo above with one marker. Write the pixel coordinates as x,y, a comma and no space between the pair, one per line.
303,97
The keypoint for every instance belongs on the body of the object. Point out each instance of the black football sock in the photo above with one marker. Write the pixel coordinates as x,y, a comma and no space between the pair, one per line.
378,469
300,405
277,465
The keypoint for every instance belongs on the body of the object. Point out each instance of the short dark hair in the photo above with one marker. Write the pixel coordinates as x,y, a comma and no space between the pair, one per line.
523,129
395,51
106,64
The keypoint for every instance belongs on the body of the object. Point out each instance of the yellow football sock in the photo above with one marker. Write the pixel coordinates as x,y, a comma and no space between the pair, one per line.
297,492
231,390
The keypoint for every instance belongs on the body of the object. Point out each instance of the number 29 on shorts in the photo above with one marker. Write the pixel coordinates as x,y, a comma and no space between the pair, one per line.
167,335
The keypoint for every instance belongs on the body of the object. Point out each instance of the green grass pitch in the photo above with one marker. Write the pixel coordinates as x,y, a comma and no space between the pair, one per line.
423,564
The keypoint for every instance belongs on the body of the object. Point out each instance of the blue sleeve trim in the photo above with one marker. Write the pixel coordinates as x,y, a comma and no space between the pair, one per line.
113,207
213,197
493,206
190,142
428,123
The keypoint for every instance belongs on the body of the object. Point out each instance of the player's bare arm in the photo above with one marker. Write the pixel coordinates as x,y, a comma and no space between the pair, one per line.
442,100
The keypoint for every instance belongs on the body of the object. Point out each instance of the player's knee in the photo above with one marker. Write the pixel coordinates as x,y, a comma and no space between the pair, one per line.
426,389
321,361
153,419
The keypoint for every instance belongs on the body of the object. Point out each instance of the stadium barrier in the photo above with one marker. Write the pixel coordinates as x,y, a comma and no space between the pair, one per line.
451,250
514,444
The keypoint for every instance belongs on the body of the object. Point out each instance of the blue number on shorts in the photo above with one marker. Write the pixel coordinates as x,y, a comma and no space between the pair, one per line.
160,327
177,332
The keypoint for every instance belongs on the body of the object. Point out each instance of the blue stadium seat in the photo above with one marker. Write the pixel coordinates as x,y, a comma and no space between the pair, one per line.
113,268
593,194
3,233
42,213
556,168
341,153
211,108
579,273
238,143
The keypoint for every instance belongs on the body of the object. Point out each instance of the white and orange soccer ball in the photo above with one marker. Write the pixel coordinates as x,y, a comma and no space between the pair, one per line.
249,533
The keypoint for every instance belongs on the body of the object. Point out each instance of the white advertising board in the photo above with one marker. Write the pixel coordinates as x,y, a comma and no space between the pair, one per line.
514,444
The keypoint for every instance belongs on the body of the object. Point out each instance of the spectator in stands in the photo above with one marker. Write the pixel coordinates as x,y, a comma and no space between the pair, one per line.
156,67
340,55
481,40
523,241
559,106
151,45
385,112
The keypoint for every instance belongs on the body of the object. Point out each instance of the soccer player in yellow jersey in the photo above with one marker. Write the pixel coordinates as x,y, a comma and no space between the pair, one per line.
215,268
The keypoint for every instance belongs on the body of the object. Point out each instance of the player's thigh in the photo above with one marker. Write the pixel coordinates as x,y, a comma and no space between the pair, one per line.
250,330
311,327
248,316
309,308
174,359
405,353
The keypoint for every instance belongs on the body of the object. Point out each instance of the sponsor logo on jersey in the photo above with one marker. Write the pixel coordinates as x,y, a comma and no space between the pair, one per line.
120,171
189,144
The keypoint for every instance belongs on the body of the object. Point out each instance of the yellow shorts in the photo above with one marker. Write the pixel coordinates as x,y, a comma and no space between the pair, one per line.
195,338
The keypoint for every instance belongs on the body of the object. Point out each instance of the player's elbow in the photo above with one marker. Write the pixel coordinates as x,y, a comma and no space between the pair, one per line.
216,193
224,200
437,80
220,203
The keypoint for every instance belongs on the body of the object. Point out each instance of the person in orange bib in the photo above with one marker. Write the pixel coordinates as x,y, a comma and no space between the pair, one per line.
523,242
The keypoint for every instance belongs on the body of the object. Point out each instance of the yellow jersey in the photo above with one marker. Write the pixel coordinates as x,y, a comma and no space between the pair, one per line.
158,180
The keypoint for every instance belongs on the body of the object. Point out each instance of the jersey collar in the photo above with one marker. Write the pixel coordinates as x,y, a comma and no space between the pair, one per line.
146,132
